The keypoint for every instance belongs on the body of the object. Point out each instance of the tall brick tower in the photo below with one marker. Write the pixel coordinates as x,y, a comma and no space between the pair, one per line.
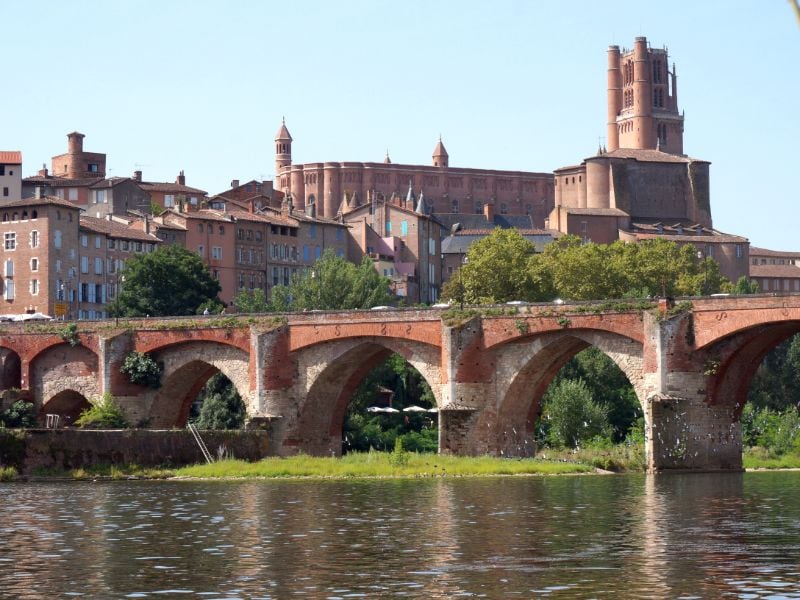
283,149
643,100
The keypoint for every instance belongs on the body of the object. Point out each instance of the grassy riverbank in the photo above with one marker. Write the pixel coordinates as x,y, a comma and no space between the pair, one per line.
403,464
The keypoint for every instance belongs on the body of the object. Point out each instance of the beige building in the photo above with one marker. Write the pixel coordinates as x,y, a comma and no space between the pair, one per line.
10,175
775,271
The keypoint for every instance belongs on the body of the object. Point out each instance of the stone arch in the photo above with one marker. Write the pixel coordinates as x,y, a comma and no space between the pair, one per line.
67,404
529,368
329,373
10,369
187,368
732,362
63,367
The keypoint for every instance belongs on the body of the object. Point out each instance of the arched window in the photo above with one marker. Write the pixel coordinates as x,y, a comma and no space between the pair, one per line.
503,208
454,206
34,214
478,207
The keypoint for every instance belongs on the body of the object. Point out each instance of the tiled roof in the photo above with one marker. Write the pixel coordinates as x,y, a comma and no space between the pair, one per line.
110,182
471,222
783,271
645,156
754,251
170,188
116,230
10,157
60,181
602,212
713,237
47,200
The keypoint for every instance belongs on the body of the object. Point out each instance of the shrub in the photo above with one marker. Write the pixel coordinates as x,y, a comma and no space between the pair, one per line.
8,473
19,414
572,415
222,407
104,414
70,335
142,369
399,457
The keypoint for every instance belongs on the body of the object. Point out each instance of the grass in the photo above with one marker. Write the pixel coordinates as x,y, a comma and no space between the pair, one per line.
761,458
381,464
8,474
104,471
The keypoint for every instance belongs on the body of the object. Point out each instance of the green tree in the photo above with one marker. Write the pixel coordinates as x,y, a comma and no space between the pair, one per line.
252,301
170,281
19,414
498,269
333,283
743,285
221,406
572,416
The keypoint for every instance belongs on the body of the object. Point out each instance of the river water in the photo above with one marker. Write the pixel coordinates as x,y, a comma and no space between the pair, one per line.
626,536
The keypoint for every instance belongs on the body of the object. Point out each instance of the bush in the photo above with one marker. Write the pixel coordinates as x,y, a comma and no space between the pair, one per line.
104,414
141,369
572,416
775,431
222,407
19,414
426,440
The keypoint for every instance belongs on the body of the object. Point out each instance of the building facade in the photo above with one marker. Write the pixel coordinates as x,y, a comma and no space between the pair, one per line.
320,189
10,175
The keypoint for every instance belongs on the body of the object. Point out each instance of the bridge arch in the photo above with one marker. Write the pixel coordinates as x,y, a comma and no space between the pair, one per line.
529,368
731,362
63,368
10,369
330,372
187,368
68,404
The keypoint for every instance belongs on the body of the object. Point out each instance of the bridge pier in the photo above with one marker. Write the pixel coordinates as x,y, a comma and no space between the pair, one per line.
683,430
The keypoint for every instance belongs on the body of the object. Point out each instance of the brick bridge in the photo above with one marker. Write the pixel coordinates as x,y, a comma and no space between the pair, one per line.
690,370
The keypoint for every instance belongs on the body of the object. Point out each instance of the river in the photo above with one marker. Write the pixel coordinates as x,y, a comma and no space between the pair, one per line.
625,536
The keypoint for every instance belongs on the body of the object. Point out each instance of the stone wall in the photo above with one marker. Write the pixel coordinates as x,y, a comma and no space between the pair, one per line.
32,449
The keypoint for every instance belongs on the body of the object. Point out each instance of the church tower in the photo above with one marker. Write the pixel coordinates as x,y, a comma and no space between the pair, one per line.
440,156
283,150
643,100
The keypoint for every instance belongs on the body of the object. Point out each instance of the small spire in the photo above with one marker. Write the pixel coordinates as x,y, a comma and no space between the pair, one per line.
421,204
410,195
386,159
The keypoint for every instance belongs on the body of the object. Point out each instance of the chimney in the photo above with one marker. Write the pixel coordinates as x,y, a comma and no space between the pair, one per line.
43,171
488,212
137,175
146,224
38,193
252,206
75,142
181,180
235,183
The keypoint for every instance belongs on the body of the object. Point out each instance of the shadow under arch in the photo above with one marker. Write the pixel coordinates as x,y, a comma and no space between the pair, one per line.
62,367
10,369
67,404
185,374
318,429
733,362
521,405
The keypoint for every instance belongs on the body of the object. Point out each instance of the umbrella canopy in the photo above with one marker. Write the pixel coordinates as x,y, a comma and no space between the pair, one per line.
414,408
37,316
434,409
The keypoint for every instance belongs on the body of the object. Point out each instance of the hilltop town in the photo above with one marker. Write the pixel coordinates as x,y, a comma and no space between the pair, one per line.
68,230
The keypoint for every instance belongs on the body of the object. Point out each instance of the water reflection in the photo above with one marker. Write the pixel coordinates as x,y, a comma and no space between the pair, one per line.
633,536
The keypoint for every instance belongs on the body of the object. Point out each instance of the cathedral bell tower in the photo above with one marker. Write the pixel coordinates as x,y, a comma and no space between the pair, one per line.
643,100
283,151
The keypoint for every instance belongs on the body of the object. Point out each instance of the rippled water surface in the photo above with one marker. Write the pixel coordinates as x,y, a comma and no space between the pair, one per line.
680,536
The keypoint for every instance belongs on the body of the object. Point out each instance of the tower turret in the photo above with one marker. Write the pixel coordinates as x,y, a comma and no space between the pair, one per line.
283,149
440,156
614,96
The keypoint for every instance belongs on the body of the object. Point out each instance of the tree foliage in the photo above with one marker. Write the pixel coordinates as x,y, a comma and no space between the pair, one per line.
104,413
252,301
503,267
142,369
19,414
572,416
333,283
170,281
221,406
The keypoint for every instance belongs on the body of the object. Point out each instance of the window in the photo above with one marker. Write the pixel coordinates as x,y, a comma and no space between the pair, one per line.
739,251
222,229
99,295
73,194
97,242
209,228
58,265
34,287
9,291
403,228
100,196
10,240
200,228
503,208
98,266
111,244
138,246
240,234
258,236
317,252
306,256
432,246
84,240
201,250
216,252
92,168
339,233
169,200
5,191
388,228
312,231
9,268
34,264
125,245
84,264
454,206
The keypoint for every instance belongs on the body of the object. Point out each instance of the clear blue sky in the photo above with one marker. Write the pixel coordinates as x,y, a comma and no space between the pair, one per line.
198,85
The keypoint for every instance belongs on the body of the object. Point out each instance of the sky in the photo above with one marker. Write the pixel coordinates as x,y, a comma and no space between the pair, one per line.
202,86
